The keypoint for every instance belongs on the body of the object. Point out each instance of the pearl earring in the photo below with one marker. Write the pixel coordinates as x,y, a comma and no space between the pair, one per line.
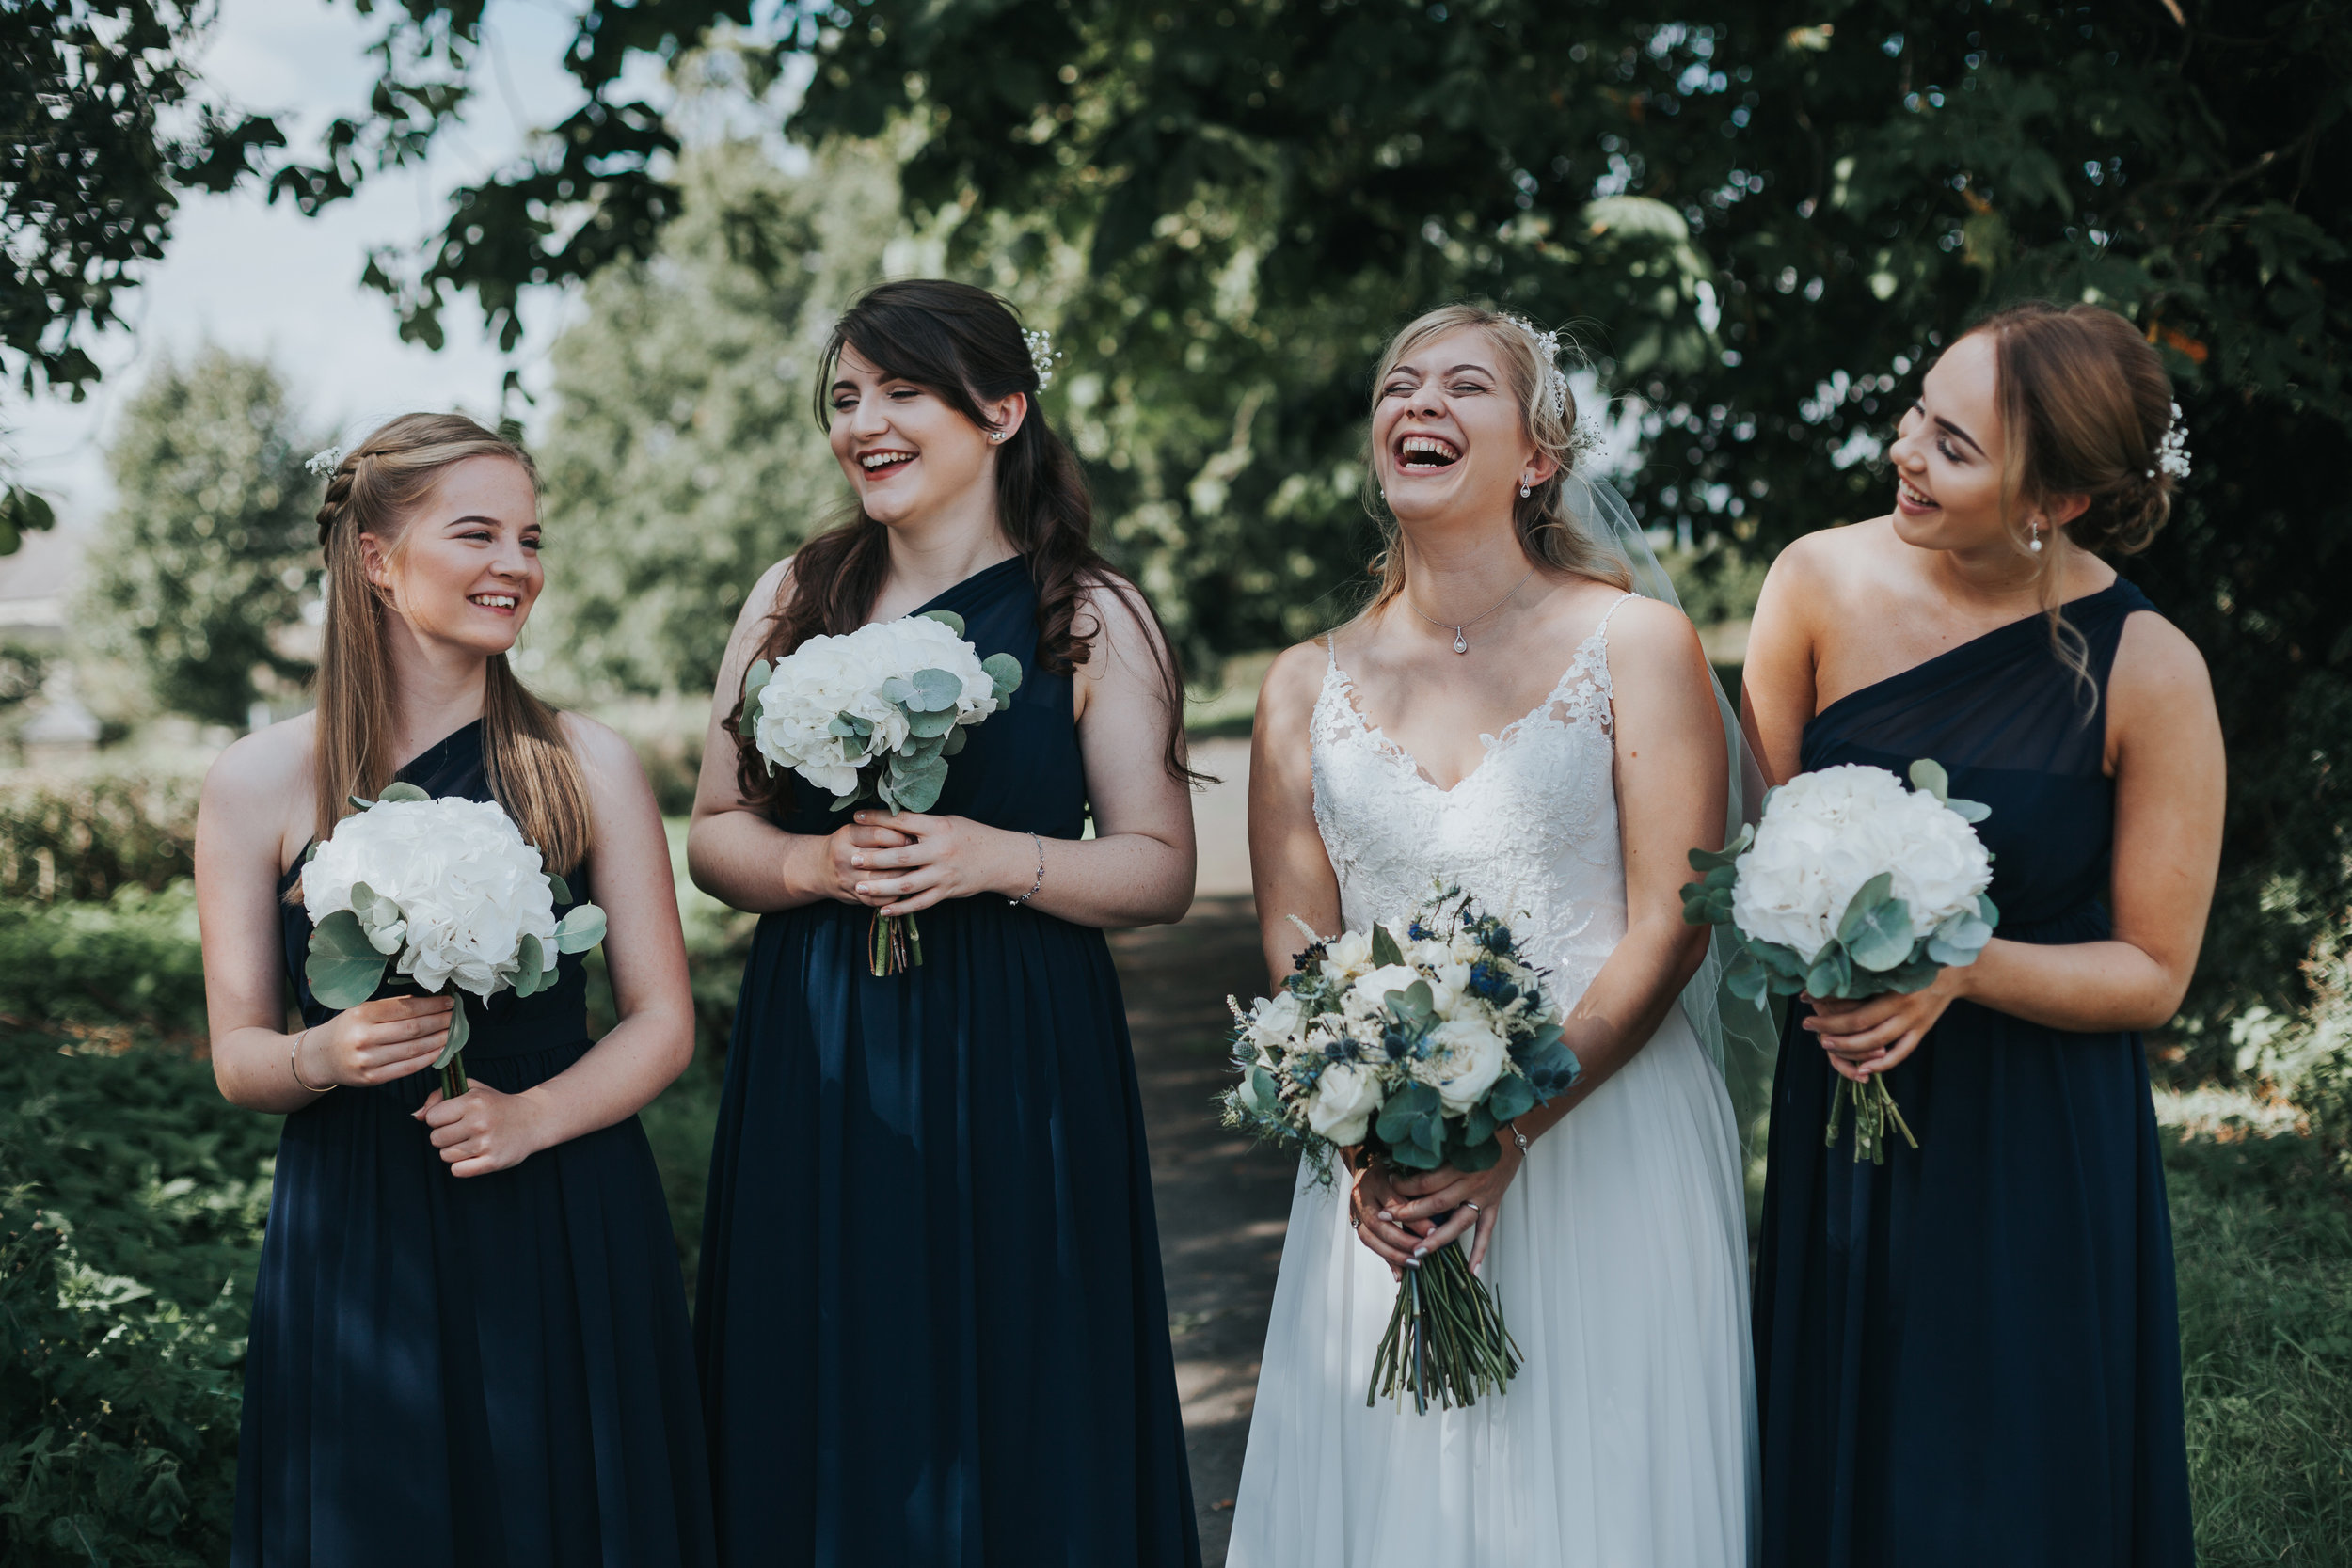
2035,542
1524,490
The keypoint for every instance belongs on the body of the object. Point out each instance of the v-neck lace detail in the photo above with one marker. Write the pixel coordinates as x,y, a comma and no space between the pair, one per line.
1532,829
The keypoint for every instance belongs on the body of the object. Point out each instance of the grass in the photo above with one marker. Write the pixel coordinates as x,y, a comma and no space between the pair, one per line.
2261,1232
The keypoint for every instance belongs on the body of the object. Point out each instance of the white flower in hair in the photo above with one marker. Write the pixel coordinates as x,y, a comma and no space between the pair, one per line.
1042,354
324,461
2172,451
1547,351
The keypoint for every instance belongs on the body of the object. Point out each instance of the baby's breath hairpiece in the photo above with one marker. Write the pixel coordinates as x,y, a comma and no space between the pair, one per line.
1548,350
1042,354
2172,451
324,461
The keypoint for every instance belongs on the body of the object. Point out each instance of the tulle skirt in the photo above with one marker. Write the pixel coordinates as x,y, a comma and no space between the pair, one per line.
1628,1438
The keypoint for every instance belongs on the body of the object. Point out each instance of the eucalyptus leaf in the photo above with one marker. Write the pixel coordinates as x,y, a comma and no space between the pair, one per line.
1478,1126
1261,1093
948,618
1881,940
935,689
458,1030
532,967
363,898
1867,897
1988,911
581,927
1465,1154
1831,973
842,725
931,725
1005,671
1384,948
899,689
755,680
1746,979
559,889
921,792
1403,1109
1969,811
1412,1157
953,743
344,967
403,792
1512,1095
1929,774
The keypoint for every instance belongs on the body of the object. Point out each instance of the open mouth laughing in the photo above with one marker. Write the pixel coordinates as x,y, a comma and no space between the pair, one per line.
883,462
1426,454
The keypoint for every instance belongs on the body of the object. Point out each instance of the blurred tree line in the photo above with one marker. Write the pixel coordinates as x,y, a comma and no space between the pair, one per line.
1759,226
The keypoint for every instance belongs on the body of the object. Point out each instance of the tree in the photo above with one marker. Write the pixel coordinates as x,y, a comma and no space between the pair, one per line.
681,458
1767,228
210,554
102,124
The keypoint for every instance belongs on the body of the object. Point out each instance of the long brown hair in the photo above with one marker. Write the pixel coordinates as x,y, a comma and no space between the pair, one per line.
965,346
1547,530
531,770
2085,406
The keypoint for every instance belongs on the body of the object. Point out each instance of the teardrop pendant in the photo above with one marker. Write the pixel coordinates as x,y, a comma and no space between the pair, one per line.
2036,545
1460,644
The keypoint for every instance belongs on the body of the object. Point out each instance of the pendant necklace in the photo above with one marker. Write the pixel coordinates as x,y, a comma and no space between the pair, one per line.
1461,644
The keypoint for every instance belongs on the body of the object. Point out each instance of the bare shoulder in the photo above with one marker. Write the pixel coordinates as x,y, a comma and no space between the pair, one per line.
1646,634
1118,608
599,745
271,764
2155,663
766,597
1291,684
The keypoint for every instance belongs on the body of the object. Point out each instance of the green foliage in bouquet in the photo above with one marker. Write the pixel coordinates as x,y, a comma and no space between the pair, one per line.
350,948
1872,953
910,777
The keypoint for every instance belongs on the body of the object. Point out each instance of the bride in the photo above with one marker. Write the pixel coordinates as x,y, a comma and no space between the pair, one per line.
1506,715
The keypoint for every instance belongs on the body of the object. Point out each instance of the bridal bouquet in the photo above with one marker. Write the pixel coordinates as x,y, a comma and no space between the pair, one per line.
1851,886
1418,1040
441,891
875,715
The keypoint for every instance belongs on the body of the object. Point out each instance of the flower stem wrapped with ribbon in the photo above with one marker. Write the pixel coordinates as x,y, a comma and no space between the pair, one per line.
1851,886
874,716
441,891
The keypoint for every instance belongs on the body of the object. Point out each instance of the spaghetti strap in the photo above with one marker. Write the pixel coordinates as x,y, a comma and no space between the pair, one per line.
1613,609
1332,648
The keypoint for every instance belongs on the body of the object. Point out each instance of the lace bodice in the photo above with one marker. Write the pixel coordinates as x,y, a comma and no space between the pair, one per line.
1531,831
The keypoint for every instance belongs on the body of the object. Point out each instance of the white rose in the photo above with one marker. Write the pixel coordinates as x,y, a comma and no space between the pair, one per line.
1372,990
1274,1023
1344,1099
1465,1059
1350,953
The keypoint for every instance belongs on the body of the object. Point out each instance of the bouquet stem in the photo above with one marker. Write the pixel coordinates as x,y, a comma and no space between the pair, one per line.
454,1080
1873,1105
1445,1338
893,943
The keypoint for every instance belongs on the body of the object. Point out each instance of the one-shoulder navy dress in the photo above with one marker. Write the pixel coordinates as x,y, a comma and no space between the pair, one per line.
930,1318
1970,1356
492,1372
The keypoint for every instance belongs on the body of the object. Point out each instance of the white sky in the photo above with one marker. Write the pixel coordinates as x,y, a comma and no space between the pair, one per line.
263,280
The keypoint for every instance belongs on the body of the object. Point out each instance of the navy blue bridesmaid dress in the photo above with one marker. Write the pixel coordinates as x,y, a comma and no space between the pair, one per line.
930,1317
489,1373
1970,1356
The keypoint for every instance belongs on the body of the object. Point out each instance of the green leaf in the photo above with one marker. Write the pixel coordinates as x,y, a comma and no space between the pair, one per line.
948,618
1878,936
531,967
954,741
1745,978
403,792
899,689
1478,1126
1265,1095
755,680
1466,1154
560,890
458,1030
1988,911
1005,671
1717,860
1412,1157
1405,1108
1969,811
363,898
1384,948
934,689
1929,774
843,726
919,791
931,726
1512,1095
581,927
1414,1006
344,967
1831,973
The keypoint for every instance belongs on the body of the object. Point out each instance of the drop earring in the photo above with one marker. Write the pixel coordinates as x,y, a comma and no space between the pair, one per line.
2035,542
1525,489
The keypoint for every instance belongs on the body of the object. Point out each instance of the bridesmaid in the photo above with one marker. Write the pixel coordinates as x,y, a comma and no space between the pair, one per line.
469,1340
1970,1354
930,1318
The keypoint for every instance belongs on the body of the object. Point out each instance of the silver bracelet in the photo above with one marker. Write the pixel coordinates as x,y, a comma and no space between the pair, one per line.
1039,880
1517,1137
294,1065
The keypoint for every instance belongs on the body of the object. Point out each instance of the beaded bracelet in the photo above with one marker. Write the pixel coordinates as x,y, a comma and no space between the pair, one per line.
1039,879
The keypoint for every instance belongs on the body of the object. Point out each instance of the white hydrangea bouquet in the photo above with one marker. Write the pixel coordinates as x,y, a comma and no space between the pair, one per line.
442,891
1851,886
1417,1040
875,715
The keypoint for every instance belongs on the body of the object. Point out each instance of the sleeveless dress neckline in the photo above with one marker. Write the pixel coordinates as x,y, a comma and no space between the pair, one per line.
425,762
1931,666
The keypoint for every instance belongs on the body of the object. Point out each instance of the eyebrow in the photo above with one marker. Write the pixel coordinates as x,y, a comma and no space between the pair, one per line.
480,518
1946,424
1452,370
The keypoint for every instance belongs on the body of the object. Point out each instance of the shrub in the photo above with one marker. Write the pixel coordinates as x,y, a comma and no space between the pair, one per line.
63,836
129,963
131,1205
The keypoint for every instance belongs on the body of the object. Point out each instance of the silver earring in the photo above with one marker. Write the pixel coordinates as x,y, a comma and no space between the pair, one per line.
2035,543
1524,492
996,434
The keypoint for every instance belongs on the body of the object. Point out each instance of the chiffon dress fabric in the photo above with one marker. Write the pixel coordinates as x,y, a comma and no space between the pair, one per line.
930,1318
1619,1252
487,1371
1971,1353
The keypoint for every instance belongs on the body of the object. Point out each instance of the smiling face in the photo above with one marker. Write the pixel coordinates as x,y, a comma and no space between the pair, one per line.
463,570
1947,456
1449,433
908,452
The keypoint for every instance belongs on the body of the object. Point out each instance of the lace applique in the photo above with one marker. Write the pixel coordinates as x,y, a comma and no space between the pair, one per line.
1532,830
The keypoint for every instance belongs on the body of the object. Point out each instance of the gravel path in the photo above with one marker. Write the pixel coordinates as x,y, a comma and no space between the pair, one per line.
1222,1200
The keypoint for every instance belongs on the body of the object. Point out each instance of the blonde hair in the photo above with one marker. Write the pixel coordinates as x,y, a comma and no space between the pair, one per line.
1547,530
531,768
2085,405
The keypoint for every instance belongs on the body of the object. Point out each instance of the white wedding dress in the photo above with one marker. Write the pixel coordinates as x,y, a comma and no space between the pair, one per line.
1627,1439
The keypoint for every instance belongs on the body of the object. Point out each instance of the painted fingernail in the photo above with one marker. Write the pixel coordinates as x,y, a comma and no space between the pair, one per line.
857,860
1421,1252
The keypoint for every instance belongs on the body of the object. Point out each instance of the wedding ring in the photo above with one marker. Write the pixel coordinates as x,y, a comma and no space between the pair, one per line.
1473,1207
